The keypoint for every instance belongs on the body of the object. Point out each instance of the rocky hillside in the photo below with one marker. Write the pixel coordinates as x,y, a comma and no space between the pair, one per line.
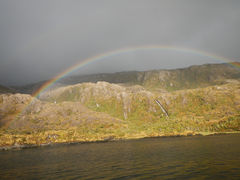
176,79
26,120
160,80
198,109
188,78
157,104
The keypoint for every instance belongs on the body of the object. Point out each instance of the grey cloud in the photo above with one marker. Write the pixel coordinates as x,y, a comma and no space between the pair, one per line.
39,39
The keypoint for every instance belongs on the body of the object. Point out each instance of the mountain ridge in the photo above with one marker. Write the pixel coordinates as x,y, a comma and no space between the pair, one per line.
183,77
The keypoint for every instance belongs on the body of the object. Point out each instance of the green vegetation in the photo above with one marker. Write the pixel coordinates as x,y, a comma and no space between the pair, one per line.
103,111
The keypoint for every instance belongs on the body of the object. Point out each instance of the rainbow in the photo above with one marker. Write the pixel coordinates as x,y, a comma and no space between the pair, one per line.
116,52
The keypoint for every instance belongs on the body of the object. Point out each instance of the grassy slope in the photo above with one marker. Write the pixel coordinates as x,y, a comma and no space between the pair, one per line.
43,122
100,111
202,110
214,108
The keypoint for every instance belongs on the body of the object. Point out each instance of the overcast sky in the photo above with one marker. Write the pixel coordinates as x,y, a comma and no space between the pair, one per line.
39,39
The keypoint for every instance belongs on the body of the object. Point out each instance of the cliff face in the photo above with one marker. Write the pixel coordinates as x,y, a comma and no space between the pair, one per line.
104,111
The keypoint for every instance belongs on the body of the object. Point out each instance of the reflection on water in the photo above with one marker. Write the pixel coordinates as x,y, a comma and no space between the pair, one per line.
212,157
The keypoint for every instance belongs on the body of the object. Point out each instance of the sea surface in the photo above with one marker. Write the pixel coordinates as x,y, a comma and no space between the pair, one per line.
197,157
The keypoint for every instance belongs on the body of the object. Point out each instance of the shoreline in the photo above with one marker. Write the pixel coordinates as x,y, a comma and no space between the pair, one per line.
29,146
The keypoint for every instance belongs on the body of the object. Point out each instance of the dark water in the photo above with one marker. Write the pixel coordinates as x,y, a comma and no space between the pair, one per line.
212,157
